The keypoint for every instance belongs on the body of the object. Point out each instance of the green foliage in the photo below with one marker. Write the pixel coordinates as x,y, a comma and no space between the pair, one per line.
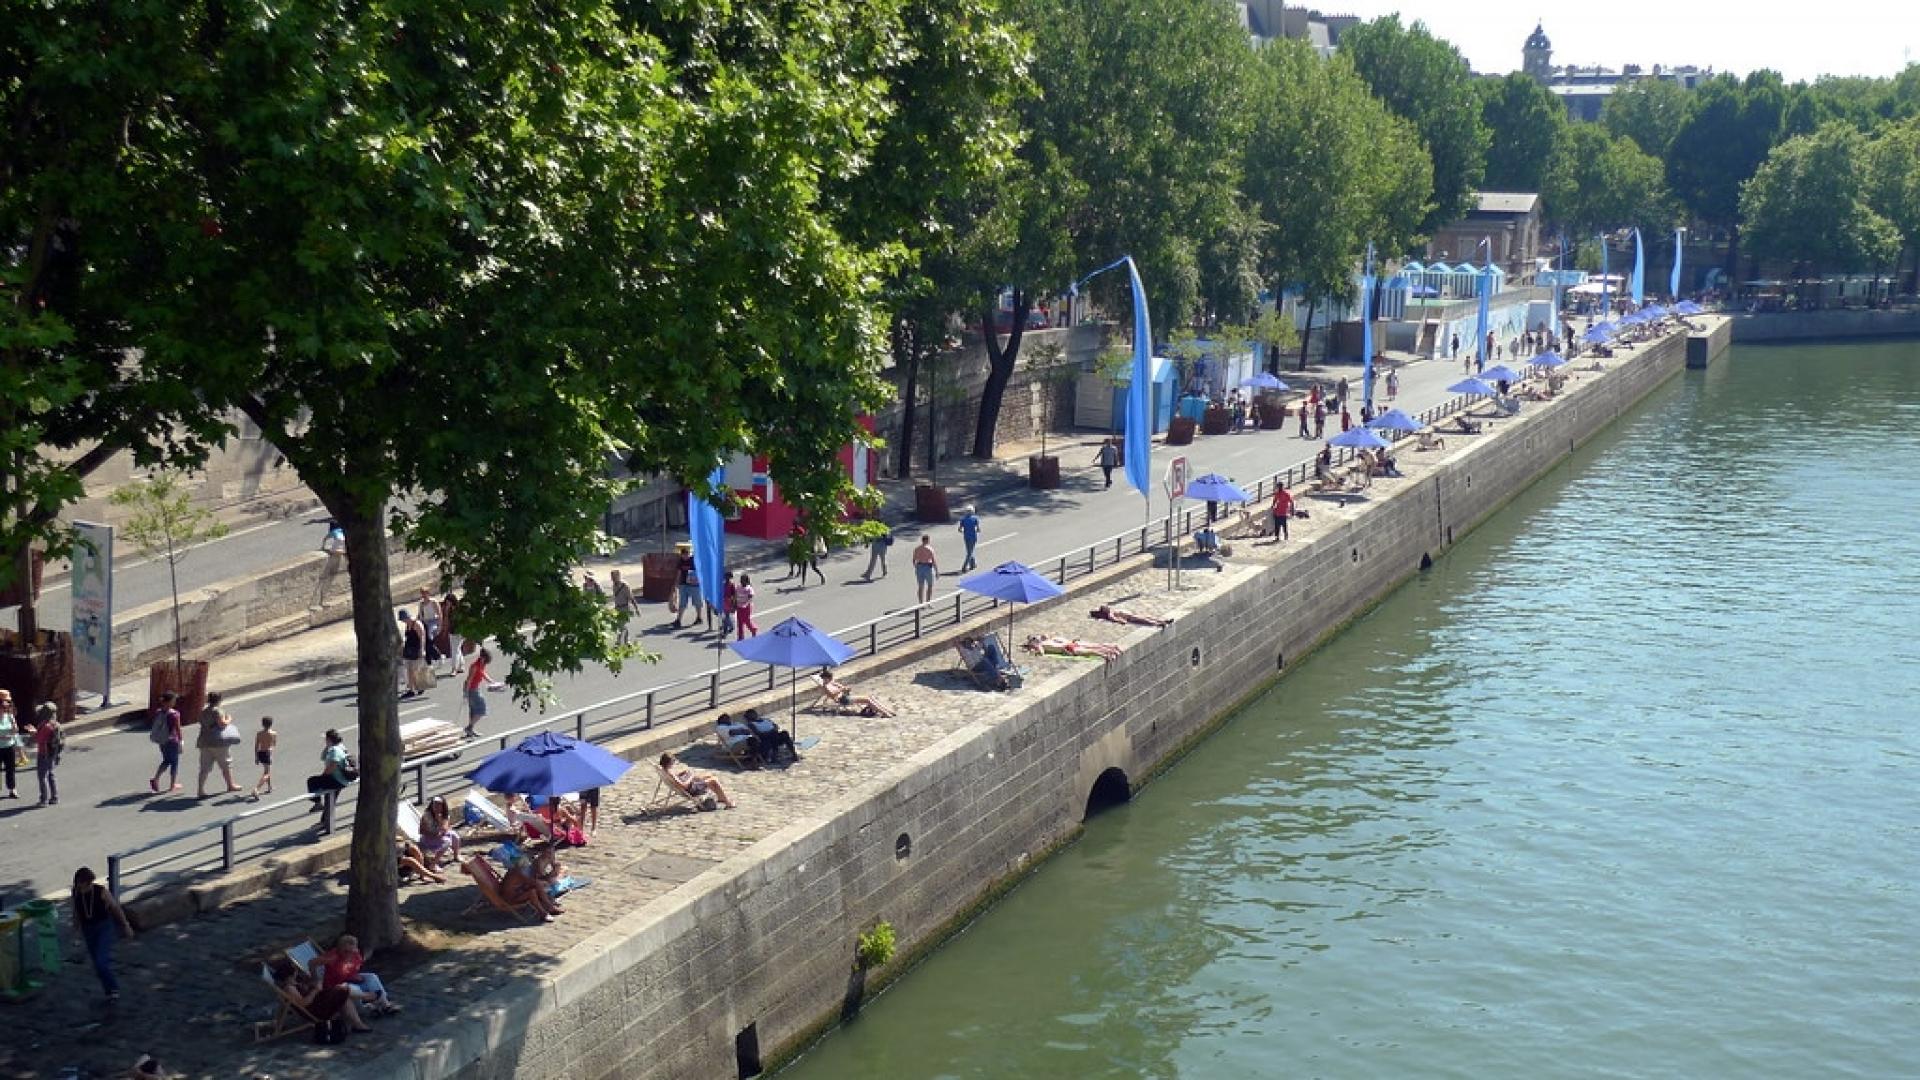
1809,204
1274,330
1650,112
1527,126
875,947
1605,181
1427,81
1725,138
1893,178
163,523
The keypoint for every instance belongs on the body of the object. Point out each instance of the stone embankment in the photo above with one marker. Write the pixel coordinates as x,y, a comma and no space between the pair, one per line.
711,944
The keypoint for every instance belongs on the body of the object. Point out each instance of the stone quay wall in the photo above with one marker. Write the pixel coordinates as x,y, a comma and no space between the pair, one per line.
749,961
1819,325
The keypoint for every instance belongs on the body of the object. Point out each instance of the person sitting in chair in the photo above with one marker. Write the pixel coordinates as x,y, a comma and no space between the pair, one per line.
1109,613
1206,542
694,784
739,739
768,738
844,697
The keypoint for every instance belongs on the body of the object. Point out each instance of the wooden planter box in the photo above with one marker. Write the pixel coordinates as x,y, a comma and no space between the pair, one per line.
1218,421
43,672
930,504
188,682
13,595
659,573
1043,472
1180,431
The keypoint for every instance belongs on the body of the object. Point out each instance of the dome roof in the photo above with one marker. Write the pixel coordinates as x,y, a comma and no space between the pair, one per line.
1538,39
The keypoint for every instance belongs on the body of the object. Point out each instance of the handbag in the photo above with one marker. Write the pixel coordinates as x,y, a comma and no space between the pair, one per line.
351,770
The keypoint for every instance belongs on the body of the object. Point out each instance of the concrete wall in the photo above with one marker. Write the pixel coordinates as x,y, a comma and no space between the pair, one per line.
309,591
766,938
1705,345
1814,325
245,468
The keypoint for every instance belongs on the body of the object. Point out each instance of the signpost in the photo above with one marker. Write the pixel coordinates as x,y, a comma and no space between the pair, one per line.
92,593
1176,485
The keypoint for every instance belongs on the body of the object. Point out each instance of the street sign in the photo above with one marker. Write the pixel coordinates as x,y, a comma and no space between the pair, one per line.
1176,481
92,592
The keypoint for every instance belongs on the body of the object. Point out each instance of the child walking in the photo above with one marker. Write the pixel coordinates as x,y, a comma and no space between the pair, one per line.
264,743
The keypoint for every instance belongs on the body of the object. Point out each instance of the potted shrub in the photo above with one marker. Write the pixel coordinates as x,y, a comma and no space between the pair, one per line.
943,389
165,525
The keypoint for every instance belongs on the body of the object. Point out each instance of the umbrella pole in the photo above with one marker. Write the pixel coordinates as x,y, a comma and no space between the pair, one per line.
793,702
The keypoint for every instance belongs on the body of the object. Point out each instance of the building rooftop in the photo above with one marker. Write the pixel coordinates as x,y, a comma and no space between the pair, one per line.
1505,202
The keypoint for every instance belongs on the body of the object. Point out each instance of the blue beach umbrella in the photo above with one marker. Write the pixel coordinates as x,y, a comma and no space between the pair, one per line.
1395,420
1597,334
1688,307
1266,380
1360,439
1500,373
794,644
547,764
1216,488
1549,360
1473,386
1013,583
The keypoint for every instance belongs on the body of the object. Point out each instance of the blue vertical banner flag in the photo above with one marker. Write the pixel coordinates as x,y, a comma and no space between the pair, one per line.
1559,267
1485,283
1679,252
708,531
1366,333
1639,271
1139,432
1606,300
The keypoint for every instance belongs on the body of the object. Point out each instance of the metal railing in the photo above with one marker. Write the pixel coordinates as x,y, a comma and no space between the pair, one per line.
266,830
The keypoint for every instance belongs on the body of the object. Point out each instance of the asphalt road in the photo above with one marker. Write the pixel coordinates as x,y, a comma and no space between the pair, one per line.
106,805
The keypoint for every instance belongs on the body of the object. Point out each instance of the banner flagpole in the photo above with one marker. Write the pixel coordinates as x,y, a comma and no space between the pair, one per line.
1366,334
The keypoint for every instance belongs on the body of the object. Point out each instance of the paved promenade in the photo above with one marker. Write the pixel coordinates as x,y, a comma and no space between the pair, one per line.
191,989
106,807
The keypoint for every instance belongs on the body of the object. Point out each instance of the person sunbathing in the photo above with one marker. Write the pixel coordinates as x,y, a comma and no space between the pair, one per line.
414,862
1048,644
694,784
1109,613
843,696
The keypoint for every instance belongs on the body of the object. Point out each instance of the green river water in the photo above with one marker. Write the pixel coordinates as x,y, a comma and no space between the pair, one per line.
1627,785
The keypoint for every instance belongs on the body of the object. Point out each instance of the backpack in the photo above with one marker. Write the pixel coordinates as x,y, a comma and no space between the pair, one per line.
160,728
56,742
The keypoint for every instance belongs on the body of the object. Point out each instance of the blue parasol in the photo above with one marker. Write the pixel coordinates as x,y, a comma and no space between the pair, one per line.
1549,360
1395,420
794,643
1473,386
1011,583
1597,334
1216,488
1499,373
1688,307
1360,439
547,764
1266,380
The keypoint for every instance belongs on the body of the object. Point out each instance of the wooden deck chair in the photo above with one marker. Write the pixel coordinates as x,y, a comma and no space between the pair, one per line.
407,820
739,751
1015,673
970,660
540,827
492,890
670,794
291,1015
831,691
303,955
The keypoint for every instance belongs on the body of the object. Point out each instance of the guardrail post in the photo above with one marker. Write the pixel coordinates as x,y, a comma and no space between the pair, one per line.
1062,572
580,726
650,708
713,690
1093,552
957,616
873,639
420,783
916,620
226,844
113,874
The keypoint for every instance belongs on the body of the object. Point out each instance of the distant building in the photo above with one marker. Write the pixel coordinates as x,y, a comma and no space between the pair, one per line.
1510,219
1272,20
1585,90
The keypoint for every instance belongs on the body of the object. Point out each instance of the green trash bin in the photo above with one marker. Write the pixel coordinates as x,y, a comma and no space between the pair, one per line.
12,984
39,942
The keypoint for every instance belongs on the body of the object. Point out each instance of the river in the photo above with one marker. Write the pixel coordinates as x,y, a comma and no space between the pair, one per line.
1628,784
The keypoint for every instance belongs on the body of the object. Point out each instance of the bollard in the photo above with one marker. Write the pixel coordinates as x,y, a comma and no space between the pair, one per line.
113,875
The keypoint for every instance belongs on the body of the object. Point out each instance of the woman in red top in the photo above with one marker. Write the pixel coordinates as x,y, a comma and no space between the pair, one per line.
340,966
477,684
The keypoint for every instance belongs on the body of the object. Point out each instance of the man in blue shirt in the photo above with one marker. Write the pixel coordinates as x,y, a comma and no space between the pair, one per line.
970,532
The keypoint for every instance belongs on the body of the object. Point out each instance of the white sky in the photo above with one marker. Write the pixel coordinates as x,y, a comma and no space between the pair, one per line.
1799,40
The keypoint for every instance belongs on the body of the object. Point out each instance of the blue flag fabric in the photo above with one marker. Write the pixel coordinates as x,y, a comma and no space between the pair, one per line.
1486,301
1679,252
1606,301
1366,341
708,531
1139,432
1559,267
1639,270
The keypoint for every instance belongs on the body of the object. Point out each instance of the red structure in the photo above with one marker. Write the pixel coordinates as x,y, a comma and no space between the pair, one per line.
769,517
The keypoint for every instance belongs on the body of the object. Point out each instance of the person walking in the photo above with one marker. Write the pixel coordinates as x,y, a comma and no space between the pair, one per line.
49,742
163,728
622,605
1393,385
1346,418
413,653
926,569
428,612
336,772
449,625
10,742
743,602
1319,420
1306,418
970,535
1340,394
1282,511
877,555
215,740
690,601
1108,458
478,682
729,603
265,741
97,915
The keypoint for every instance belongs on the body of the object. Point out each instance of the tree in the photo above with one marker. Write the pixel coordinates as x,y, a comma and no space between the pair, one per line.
1808,203
1132,148
1650,112
1427,81
1893,182
165,524
1527,126
1606,181
457,259
1727,136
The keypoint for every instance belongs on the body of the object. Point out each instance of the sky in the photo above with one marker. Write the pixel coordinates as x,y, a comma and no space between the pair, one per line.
1800,40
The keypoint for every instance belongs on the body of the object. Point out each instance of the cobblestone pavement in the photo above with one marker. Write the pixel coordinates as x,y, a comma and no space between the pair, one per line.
192,989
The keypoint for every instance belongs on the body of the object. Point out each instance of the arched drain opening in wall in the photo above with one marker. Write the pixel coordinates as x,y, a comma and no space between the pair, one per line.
1279,661
1110,789
746,1050
902,846
1193,658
